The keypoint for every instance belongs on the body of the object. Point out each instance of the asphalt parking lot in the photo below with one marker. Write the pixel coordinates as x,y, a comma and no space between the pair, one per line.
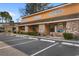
23,46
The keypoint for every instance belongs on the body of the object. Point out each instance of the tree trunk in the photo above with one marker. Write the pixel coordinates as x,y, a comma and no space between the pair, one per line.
2,23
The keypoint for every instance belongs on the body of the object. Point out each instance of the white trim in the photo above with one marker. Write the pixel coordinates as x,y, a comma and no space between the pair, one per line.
54,21
48,10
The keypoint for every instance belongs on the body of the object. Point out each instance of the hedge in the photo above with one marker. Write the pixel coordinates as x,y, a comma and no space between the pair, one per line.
28,33
68,36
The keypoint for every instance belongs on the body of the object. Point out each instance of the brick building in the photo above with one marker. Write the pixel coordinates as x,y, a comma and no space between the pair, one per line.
59,19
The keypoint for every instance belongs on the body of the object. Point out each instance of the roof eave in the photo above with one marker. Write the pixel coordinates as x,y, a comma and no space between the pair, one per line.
46,10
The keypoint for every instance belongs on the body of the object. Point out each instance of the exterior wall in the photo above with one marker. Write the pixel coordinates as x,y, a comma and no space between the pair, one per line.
30,29
21,28
72,26
66,10
37,28
47,29
7,28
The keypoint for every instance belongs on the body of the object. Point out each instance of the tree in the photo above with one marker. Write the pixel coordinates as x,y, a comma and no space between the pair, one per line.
2,15
31,8
5,16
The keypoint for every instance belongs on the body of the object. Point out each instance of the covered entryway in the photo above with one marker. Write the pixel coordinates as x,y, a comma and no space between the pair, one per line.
33,28
56,29
21,28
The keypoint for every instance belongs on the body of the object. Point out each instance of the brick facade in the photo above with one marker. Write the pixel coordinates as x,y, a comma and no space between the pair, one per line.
72,26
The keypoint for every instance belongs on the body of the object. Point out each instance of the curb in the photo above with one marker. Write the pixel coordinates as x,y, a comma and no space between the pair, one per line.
63,40
47,38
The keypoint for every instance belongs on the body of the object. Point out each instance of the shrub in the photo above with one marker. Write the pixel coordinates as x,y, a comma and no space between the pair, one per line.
9,31
28,33
32,33
68,36
76,37
17,32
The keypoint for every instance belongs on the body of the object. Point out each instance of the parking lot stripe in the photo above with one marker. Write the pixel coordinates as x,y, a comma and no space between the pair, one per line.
47,40
72,44
19,38
18,44
44,49
14,40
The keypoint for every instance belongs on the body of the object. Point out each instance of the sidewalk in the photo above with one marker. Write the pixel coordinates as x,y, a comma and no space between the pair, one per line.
6,50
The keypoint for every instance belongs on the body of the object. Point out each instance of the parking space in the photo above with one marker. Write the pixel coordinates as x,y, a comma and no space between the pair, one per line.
61,50
6,38
34,47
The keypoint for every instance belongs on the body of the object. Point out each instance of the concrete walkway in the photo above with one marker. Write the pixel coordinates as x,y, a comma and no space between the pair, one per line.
9,51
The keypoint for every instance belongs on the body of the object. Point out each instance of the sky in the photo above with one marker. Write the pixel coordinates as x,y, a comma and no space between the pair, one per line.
14,9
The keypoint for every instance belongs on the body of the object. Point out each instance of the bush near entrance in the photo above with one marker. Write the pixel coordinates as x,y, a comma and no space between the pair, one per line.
68,36
32,33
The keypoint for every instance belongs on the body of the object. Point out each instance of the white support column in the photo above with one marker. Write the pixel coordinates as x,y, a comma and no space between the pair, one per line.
55,28
17,29
26,28
42,28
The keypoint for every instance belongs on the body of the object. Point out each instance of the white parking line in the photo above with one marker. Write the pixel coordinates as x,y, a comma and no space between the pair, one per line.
66,43
33,38
21,39
17,39
18,44
8,37
47,40
14,40
44,49
20,35
23,36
